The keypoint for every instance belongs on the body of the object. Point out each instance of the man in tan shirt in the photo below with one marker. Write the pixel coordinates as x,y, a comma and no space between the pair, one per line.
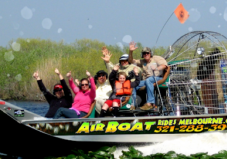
153,67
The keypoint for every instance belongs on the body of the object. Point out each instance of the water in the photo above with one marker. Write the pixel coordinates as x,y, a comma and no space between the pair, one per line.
207,142
39,108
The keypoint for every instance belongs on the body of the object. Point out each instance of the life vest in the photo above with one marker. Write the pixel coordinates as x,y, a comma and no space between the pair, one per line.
123,89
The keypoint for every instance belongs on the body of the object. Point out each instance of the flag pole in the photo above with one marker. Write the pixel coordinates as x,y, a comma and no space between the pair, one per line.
163,28
153,71
181,14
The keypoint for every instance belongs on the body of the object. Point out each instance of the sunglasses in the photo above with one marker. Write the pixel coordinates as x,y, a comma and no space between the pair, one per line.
56,90
101,75
145,53
84,84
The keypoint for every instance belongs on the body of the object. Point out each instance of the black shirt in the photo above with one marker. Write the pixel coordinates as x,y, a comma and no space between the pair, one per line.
54,102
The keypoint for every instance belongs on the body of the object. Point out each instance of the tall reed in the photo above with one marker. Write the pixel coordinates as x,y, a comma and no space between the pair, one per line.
16,81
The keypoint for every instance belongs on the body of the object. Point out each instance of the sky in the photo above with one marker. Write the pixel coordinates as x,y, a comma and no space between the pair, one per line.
109,21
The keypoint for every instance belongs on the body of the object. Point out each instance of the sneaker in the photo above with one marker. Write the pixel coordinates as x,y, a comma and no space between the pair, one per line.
146,107
132,107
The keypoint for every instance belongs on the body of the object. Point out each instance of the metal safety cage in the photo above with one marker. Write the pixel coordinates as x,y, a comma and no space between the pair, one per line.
198,78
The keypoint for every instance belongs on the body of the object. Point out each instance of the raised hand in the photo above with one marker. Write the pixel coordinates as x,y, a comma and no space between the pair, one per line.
104,50
36,74
59,74
57,71
88,73
116,67
68,74
77,82
132,46
136,71
107,54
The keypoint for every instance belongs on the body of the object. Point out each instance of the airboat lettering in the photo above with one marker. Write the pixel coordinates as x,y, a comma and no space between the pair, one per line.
200,121
190,128
166,122
95,127
113,126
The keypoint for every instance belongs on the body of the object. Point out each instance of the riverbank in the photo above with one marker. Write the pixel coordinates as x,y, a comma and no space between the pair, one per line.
25,56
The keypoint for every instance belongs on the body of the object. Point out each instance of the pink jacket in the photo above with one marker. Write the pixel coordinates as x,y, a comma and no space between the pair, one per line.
83,101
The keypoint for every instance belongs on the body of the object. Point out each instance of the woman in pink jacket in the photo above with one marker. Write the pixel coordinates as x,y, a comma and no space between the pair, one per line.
83,99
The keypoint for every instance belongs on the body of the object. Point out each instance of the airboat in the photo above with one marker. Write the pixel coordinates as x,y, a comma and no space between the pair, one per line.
191,100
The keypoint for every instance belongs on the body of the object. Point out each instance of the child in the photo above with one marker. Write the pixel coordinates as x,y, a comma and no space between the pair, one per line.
121,87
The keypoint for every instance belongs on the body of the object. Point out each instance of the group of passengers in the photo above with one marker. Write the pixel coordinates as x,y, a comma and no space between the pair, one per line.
124,80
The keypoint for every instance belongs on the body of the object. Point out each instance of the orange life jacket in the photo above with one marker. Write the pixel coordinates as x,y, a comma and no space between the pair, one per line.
123,89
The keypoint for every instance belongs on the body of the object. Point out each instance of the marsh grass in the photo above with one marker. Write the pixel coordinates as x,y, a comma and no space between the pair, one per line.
46,55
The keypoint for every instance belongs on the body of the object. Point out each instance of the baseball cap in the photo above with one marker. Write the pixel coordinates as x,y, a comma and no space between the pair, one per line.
146,49
124,57
58,87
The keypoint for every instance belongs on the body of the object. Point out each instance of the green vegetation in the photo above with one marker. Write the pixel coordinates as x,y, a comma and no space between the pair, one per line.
107,153
17,67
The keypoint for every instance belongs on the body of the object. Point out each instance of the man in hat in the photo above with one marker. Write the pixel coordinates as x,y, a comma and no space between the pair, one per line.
124,66
153,67
103,89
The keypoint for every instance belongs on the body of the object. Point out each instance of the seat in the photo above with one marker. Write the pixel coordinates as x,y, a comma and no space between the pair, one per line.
127,103
125,108
128,100
166,73
91,113
161,84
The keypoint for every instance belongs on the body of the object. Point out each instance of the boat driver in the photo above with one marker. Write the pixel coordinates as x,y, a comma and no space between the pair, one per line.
153,67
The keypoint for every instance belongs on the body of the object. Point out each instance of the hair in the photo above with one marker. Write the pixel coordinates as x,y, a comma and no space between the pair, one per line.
100,72
84,79
122,73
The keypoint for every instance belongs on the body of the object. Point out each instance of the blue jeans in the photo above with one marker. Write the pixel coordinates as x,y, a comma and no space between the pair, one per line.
149,83
68,113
